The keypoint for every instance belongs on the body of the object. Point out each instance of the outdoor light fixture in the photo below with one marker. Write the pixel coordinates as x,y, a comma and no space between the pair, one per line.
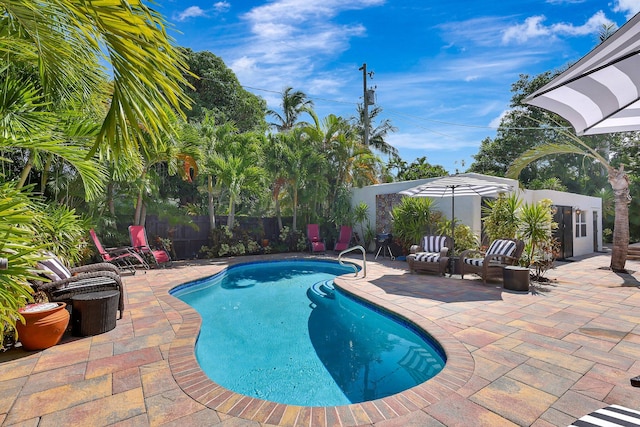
578,211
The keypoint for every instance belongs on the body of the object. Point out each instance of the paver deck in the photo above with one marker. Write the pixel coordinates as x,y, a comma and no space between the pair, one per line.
544,358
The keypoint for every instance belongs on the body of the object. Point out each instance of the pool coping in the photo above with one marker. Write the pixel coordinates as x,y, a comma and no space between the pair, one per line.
187,373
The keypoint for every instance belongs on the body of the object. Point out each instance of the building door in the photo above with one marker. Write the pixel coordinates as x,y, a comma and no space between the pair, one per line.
564,233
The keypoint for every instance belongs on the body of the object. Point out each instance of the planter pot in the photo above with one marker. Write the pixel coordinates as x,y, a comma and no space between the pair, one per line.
45,325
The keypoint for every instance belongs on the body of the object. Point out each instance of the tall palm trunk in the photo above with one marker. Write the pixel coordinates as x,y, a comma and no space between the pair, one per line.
27,169
232,212
295,207
212,215
110,200
620,183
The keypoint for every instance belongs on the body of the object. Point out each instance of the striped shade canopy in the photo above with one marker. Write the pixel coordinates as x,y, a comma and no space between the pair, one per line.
601,92
457,185
454,186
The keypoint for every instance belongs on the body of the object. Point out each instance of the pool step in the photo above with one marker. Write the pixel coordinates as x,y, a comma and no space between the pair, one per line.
321,291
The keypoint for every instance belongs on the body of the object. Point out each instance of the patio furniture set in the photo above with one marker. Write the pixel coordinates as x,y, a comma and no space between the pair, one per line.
93,293
500,260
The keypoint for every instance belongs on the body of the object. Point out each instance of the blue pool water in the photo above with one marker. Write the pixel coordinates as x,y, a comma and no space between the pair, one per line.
263,337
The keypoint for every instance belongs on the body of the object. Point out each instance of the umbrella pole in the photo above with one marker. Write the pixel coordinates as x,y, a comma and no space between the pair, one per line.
453,219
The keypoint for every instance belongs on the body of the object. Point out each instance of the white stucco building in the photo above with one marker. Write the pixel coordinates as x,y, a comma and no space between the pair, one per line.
579,217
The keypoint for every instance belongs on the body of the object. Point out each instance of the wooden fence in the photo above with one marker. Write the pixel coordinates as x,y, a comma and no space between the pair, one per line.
187,239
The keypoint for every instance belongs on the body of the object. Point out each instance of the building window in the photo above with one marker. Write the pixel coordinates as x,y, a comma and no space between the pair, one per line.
581,223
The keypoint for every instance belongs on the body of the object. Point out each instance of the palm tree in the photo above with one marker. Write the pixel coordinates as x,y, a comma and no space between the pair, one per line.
236,168
66,42
300,163
177,154
211,138
616,176
294,103
377,135
274,152
27,126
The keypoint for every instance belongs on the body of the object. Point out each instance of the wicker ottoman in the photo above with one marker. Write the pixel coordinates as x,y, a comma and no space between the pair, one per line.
94,313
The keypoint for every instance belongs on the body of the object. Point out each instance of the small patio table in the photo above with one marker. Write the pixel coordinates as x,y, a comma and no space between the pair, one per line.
94,313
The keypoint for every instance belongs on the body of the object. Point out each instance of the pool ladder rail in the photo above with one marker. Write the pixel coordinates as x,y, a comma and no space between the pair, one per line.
354,265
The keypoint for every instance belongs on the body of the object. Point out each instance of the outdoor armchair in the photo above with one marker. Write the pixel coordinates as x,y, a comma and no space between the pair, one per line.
501,253
430,255
67,282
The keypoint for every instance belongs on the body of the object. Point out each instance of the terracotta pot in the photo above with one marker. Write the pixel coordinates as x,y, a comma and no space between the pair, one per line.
45,325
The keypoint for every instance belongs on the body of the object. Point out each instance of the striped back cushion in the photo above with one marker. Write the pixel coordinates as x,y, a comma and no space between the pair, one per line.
54,268
502,247
433,243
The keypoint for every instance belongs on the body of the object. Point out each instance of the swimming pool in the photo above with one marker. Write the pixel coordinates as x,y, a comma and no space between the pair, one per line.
261,336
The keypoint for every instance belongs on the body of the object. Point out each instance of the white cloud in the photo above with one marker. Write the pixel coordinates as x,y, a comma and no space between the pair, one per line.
628,7
198,12
495,123
533,27
222,6
190,12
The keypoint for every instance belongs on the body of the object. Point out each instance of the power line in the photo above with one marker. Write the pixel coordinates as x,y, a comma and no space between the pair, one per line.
411,116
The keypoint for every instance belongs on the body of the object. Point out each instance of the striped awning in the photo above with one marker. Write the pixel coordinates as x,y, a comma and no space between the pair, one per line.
601,92
457,185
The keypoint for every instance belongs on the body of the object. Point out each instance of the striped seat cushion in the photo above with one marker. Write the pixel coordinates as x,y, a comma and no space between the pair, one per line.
54,268
428,257
474,261
433,243
613,415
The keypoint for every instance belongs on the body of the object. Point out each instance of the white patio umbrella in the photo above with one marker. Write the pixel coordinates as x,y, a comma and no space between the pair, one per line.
457,185
601,92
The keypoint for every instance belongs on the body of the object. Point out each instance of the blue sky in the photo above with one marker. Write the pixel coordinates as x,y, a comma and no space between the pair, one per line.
442,70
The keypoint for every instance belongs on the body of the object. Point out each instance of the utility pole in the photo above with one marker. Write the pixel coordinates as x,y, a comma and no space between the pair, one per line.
365,96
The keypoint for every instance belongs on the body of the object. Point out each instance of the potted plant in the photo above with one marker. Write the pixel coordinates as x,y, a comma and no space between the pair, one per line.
43,325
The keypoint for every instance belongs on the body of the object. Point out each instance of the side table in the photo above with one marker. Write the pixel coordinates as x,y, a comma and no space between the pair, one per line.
94,313
515,278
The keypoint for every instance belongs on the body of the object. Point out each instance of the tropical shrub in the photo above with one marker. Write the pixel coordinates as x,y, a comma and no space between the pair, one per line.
17,246
413,218
464,238
500,217
536,230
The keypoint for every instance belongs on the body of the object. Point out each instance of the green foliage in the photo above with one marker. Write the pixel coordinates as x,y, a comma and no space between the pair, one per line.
226,242
17,244
215,88
464,237
413,218
361,217
500,216
536,230
63,232
418,169
552,183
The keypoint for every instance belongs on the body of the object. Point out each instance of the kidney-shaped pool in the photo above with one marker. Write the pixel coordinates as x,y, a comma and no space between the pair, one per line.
278,331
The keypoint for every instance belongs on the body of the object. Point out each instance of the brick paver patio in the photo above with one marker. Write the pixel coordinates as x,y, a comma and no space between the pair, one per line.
544,358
